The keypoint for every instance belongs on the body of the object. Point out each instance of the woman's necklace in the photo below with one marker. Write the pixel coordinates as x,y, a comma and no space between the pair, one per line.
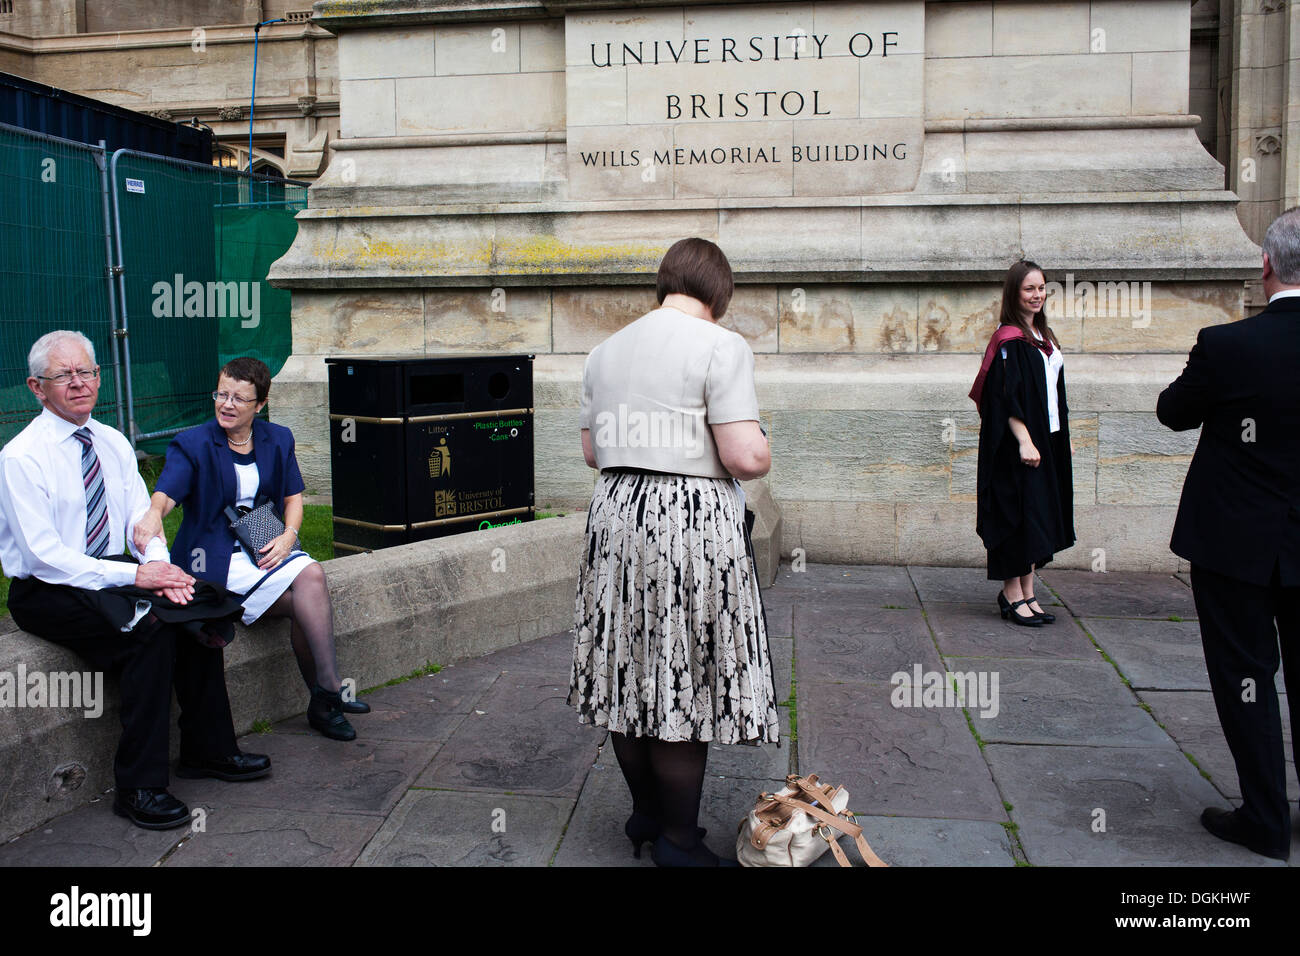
239,444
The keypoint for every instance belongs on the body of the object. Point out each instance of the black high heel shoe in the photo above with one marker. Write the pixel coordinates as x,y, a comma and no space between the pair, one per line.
1008,609
1044,616
643,828
667,853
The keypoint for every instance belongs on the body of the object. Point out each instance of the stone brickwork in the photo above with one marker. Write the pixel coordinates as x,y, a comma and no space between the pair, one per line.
485,198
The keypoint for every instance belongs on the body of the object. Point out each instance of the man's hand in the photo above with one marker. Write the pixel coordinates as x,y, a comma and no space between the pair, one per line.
166,580
146,529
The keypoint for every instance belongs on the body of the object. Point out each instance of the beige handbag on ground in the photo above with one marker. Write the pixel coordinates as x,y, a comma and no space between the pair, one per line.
797,825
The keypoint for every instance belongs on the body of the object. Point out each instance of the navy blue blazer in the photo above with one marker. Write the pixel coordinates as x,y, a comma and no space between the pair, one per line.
200,476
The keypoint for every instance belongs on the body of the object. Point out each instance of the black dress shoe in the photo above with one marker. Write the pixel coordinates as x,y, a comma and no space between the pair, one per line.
355,707
1045,616
1010,612
667,853
1227,825
234,768
643,828
152,808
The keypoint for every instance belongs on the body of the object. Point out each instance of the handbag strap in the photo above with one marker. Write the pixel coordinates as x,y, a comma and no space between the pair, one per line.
839,823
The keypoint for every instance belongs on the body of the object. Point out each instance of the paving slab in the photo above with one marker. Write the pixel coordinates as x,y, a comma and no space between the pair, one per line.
780,615
846,585
521,737
1059,702
977,630
454,689
910,761
548,655
90,836
1191,719
360,776
595,833
1163,655
297,837
1151,801
861,644
917,841
1121,594
1157,655
963,586
782,651
441,828
763,762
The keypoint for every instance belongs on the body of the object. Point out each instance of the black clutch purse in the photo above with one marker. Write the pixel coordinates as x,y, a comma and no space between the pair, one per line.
256,528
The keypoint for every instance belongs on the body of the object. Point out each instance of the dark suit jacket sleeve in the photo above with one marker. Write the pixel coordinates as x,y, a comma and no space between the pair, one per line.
293,483
1189,397
177,478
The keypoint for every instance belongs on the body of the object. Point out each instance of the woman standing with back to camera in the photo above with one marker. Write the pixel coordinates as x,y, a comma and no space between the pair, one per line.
1025,487
671,649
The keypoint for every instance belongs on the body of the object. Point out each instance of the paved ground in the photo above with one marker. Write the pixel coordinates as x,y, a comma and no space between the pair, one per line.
1102,749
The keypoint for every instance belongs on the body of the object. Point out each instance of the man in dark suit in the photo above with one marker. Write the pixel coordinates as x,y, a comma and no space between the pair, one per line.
70,493
1239,525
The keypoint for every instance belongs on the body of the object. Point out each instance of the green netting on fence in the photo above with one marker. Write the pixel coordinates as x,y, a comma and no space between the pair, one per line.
194,244
53,263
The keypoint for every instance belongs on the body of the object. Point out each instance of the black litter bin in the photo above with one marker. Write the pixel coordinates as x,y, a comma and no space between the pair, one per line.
426,447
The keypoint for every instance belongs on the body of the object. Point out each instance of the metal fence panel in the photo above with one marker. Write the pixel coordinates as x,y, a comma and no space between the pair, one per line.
53,263
191,245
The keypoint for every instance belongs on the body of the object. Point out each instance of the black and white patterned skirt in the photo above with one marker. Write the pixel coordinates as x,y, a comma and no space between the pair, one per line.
670,640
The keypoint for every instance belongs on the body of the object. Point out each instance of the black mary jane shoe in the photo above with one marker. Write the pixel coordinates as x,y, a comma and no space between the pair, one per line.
667,853
151,808
1045,616
325,714
1008,609
643,828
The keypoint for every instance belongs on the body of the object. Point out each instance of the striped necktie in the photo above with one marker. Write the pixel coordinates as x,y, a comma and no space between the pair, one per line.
96,503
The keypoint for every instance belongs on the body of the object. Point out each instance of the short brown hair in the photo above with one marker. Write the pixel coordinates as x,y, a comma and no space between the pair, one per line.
248,369
698,268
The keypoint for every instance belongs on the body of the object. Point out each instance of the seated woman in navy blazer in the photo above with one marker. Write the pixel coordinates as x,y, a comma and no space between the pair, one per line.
240,460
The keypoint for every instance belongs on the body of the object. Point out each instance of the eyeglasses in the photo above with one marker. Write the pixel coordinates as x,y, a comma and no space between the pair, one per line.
222,397
65,378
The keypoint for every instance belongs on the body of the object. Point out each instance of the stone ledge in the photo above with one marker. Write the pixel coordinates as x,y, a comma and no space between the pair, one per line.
434,601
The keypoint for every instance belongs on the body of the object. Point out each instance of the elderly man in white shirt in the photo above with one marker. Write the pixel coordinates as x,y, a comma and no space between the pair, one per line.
70,492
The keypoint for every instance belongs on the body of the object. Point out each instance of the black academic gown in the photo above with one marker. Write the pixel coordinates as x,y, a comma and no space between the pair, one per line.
1031,509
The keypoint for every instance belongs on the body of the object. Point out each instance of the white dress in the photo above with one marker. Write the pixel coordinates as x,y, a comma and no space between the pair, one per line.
243,573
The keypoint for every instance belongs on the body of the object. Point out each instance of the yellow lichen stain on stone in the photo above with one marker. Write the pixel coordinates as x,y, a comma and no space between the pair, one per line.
364,254
542,254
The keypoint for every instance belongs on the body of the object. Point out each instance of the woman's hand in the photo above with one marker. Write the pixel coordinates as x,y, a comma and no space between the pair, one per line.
146,529
277,550
1029,454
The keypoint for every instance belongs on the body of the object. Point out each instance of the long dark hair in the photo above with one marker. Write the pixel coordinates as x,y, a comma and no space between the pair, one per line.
1010,313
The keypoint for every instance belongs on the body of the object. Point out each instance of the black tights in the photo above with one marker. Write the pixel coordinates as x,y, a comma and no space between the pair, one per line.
666,780
307,605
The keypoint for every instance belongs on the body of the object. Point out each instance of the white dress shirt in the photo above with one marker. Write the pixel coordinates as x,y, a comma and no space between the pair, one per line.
1052,365
43,505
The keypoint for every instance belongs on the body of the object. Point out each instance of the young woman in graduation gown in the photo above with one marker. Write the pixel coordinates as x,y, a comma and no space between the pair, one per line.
1025,511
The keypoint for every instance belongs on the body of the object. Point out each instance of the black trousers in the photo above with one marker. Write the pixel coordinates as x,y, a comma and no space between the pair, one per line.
150,660
1242,628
